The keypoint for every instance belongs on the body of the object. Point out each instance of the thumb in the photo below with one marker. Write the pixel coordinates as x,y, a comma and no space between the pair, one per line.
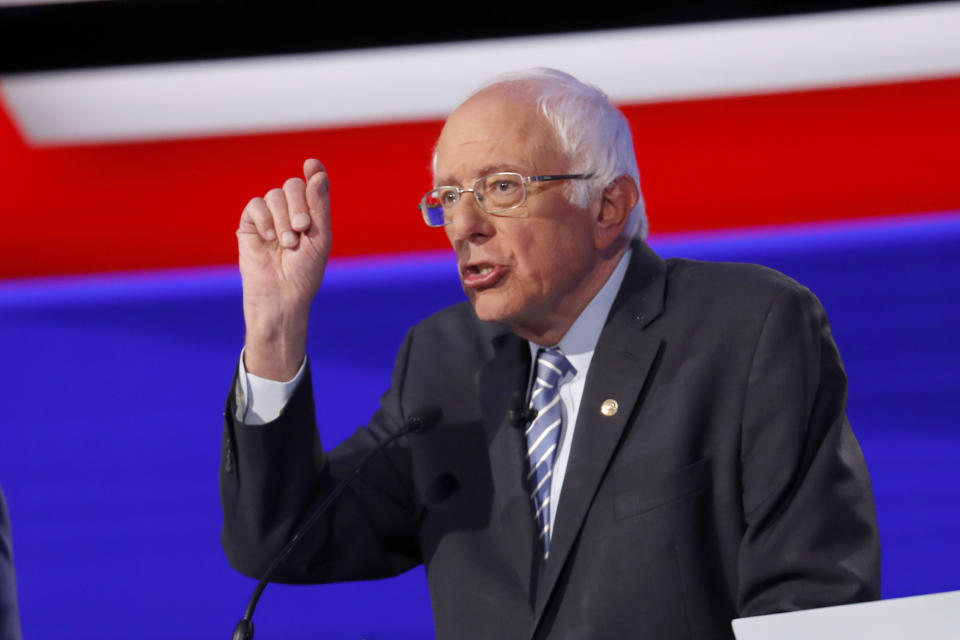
318,191
312,166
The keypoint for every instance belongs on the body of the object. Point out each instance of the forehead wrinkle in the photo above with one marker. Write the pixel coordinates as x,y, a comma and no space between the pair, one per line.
533,160
487,169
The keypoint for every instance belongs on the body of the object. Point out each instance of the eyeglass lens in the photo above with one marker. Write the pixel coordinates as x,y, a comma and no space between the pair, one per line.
495,192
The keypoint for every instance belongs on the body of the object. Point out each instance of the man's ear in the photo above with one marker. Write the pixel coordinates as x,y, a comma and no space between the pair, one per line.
619,198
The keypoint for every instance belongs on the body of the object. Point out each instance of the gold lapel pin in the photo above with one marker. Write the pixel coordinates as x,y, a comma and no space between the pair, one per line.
609,407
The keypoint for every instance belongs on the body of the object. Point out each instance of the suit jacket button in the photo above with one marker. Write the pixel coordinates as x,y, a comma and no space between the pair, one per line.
609,407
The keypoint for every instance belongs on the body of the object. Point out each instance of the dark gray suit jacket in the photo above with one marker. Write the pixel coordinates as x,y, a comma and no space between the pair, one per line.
728,483
9,615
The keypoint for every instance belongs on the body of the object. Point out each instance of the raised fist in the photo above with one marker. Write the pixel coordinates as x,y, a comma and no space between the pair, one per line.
284,243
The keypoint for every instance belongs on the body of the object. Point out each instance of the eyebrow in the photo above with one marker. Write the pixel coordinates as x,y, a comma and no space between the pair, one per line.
500,167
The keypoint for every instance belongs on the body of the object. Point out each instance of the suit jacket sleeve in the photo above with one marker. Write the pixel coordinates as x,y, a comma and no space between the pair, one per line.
810,535
9,616
272,474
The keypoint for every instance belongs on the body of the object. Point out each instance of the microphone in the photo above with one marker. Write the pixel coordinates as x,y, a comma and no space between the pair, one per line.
419,421
519,413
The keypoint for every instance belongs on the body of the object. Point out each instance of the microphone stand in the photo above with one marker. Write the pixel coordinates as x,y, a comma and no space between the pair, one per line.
418,422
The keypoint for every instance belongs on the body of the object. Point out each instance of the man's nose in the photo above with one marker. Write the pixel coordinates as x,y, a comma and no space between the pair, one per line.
467,219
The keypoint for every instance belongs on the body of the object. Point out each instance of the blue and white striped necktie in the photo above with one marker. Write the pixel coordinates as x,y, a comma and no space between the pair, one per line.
543,435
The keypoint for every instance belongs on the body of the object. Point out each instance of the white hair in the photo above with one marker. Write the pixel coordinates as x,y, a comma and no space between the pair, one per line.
593,134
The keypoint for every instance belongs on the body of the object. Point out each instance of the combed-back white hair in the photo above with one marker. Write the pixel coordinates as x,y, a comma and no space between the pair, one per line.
593,134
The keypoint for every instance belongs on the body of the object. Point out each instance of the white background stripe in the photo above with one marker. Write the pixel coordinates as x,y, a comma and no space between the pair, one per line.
419,82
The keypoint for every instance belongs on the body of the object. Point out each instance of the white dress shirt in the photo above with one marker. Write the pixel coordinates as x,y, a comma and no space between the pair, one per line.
260,400
578,345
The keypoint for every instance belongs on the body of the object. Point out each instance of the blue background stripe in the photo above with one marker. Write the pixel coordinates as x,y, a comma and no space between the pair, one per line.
114,387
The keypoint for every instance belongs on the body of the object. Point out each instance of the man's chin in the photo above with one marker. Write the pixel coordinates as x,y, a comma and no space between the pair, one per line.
489,307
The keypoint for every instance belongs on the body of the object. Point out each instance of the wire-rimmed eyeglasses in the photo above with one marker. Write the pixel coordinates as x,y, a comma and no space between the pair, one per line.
496,193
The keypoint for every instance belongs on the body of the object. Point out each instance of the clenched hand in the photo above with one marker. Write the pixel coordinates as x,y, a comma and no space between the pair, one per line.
284,243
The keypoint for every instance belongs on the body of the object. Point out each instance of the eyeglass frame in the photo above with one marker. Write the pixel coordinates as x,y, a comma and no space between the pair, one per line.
524,181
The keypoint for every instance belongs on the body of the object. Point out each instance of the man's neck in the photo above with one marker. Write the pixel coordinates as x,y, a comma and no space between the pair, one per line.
550,331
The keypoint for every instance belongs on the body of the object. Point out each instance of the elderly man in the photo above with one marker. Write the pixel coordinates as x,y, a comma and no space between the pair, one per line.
685,460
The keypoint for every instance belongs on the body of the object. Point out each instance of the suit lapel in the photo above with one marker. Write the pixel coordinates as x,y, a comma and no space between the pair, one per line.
618,371
505,374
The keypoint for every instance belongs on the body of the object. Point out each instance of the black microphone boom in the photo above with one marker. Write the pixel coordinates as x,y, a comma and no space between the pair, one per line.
419,421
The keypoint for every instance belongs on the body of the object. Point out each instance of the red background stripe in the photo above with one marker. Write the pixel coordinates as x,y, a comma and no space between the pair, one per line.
705,164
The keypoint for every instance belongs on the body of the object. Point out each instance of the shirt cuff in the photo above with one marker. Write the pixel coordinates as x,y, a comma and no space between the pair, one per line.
260,400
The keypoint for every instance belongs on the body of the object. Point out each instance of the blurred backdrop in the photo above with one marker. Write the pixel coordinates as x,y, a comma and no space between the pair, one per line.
818,138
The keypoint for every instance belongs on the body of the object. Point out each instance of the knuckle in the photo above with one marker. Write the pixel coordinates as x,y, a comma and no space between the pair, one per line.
255,209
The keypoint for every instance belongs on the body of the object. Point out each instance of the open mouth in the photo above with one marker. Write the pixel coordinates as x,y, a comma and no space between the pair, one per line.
481,275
